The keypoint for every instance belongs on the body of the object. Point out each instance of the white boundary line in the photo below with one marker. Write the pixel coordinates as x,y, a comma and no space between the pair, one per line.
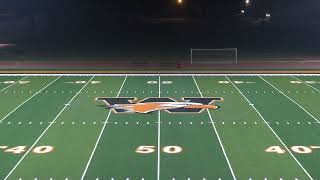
216,131
252,105
290,99
165,74
13,84
306,83
52,122
29,99
100,135
159,133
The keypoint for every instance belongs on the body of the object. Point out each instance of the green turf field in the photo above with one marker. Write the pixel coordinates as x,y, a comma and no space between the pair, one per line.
53,128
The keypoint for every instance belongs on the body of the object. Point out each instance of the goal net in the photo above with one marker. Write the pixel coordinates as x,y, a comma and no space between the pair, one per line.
213,56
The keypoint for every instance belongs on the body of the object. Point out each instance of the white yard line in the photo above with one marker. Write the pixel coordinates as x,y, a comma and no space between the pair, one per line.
13,84
216,131
100,135
28,99
290,99
164,74
306,83
52,122
252,105
159,132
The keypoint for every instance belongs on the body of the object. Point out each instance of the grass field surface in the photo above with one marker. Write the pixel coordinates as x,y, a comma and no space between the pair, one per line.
52,127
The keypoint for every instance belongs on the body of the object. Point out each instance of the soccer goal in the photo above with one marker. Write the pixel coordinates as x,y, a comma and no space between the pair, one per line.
212,56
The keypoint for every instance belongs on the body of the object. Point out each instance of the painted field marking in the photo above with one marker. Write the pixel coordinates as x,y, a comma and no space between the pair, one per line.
13,84
216,131
100,135
272,130
29,99
168,92
169,123
306,83
204,74
159,133
46,129
290,99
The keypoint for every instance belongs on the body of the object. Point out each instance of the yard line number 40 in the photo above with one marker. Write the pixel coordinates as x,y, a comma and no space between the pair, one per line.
22,149
295,149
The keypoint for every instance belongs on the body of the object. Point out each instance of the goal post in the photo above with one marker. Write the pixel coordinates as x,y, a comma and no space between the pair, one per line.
211,56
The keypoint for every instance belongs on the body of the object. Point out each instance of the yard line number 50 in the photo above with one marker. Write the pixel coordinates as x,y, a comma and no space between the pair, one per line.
152,149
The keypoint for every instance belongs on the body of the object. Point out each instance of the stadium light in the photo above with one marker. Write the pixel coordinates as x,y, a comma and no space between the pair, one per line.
248,2
268,15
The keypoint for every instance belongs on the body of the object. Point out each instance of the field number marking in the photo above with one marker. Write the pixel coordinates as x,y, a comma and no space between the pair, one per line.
22,149
43,149
152,149
295,149
145,149
162,82
12,82
172,149
83,82
235,82
308,82
275,149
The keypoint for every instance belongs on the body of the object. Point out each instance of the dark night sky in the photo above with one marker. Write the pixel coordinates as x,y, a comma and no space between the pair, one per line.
128,8
94,11
113,20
